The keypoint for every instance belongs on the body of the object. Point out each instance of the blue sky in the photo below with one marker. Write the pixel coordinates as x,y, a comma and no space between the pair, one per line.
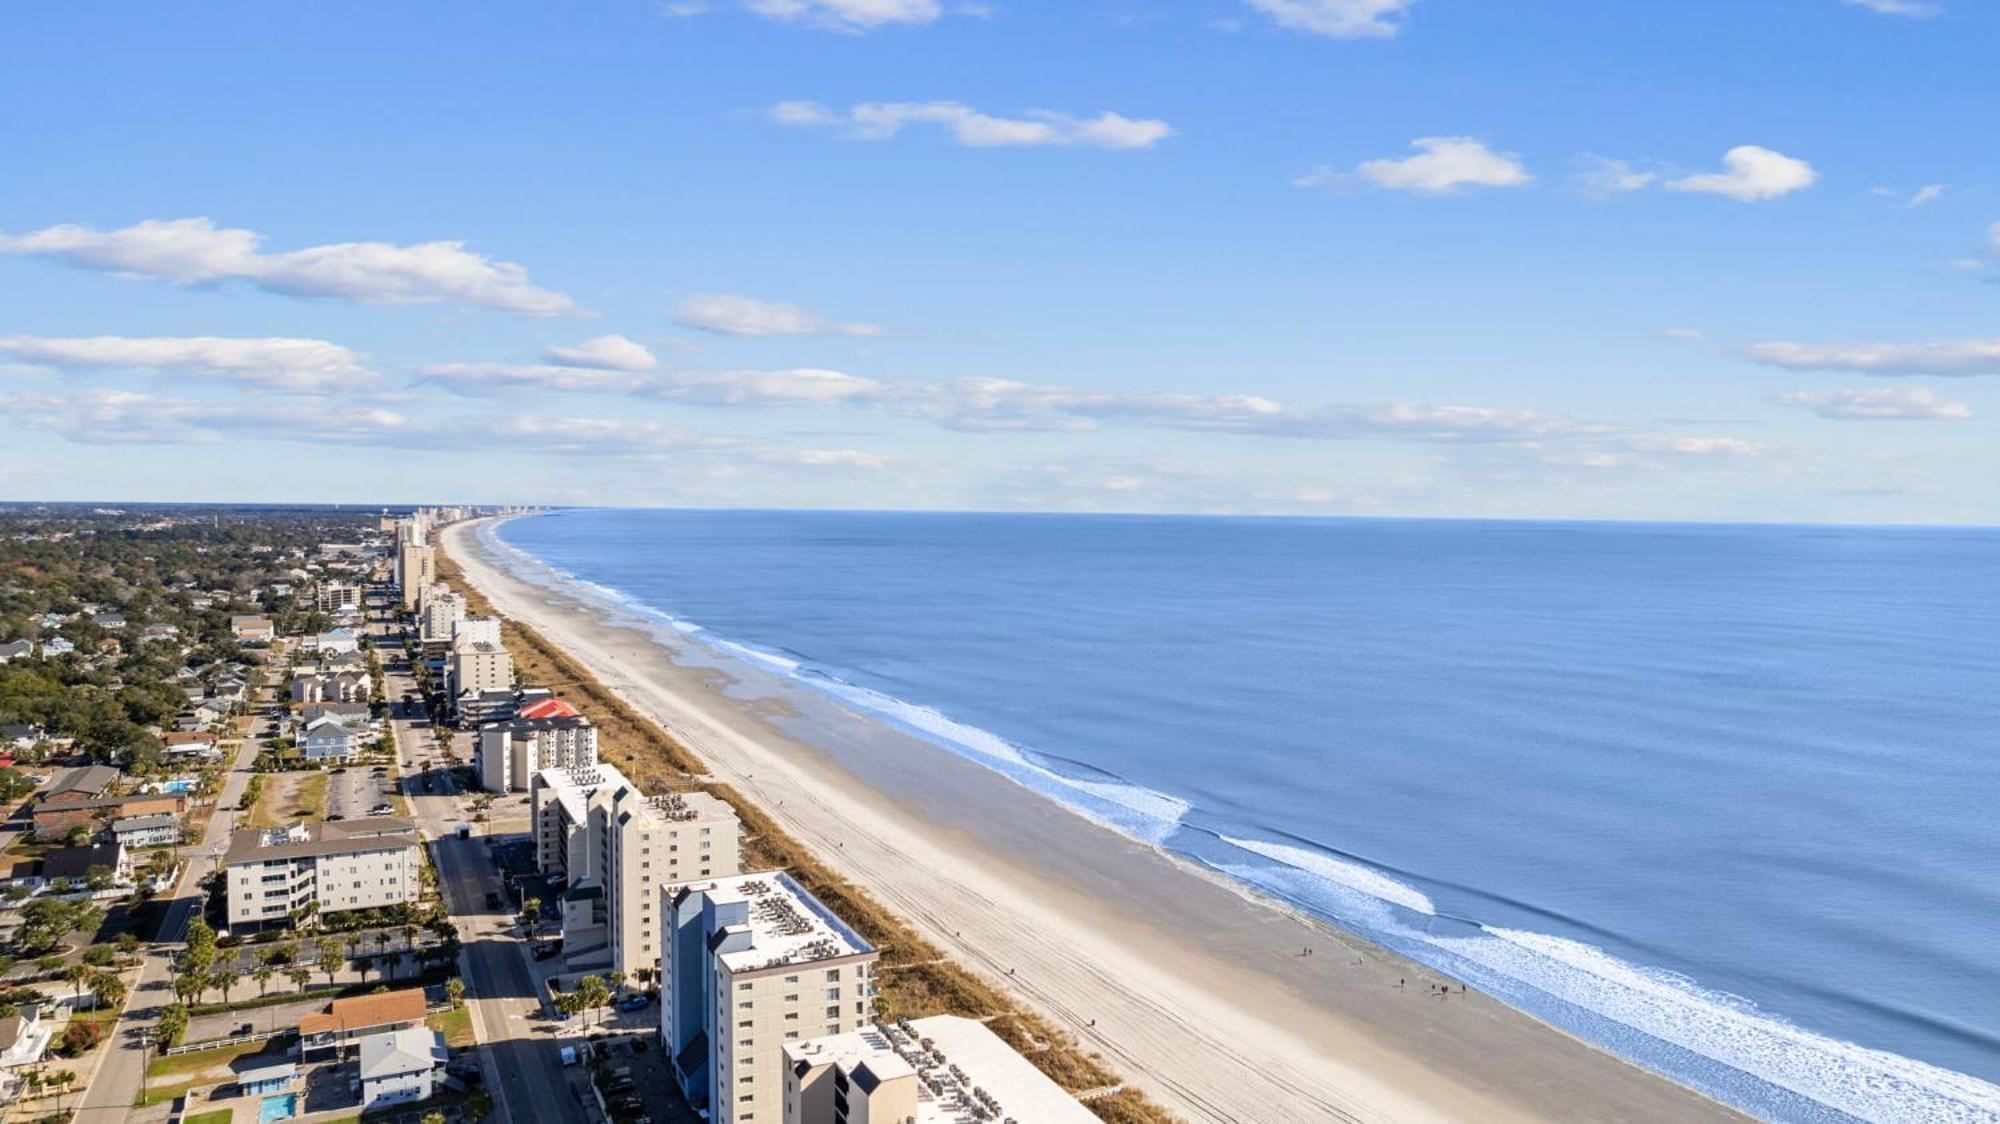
1720,260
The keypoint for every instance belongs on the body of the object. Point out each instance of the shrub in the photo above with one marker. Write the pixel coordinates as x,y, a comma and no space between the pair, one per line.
79,1038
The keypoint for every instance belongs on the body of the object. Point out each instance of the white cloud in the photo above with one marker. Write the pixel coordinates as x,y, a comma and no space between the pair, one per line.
1444,166
1916,9
197,252
1752,173
608,353
487,379
1959,357
1886,403
729,315
1929,193
802,386
876,121
123,417
847,15
1340,19
826,458
1603,177
306,366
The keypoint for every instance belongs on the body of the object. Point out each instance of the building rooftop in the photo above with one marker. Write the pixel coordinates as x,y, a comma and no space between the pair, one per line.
685,807
75,862
365,1012
146,822
307,839
965,1072
89,780
787,925
548,708
394,1052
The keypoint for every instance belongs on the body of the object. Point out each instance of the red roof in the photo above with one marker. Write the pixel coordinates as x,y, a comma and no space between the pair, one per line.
548,708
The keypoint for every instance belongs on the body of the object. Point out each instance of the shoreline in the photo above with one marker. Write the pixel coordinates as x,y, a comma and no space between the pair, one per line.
1191,984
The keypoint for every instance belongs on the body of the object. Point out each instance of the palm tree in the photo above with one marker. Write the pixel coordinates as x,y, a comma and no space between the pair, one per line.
330,961
454,990
263,976
300,977
109,988
364,963
76,974
226,979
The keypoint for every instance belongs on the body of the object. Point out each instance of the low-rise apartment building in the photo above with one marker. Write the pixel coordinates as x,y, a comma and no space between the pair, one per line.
749,964
276,873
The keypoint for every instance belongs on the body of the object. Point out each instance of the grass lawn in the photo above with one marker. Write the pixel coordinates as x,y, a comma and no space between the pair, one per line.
176,1064
214,1116
309,800
161,1094
456,1027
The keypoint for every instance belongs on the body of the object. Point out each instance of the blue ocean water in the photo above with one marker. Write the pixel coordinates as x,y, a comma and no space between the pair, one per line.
1719,798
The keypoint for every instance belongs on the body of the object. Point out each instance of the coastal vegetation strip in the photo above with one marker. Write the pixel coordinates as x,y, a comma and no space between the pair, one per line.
918,980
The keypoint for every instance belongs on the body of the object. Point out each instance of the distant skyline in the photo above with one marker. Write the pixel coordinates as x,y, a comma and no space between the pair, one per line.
1709,260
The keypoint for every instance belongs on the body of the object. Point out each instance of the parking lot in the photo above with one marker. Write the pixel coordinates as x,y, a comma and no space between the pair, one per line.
357,792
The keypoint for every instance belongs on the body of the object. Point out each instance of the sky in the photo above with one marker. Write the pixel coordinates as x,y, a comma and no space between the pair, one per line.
1710,259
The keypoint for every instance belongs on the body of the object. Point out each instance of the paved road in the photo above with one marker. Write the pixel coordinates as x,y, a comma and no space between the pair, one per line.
108,1097
523,1071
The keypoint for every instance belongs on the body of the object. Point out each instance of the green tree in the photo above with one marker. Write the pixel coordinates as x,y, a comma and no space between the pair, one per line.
77,975
226,979
454,990
330,961
262,975
109,987
300,977
173,1023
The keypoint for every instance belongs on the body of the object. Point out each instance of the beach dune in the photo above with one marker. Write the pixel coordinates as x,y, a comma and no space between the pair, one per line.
1195,989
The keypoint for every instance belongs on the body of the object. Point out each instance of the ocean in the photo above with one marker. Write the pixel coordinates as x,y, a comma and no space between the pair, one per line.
1719,798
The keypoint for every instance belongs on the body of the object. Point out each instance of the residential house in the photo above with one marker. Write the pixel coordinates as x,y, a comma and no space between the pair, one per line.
74,864
210,711
24,1037
354,715
56,646
83,783
190,743
253,629
16,650
53,821
345,1020
153,632
329,739
18,736
400,1066
160,829
337,640
109,622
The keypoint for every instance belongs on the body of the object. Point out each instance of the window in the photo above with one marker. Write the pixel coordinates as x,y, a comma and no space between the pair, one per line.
833,1012
833,993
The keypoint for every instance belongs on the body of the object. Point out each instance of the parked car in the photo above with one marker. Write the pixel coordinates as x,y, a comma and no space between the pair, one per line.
569,1055
634,1003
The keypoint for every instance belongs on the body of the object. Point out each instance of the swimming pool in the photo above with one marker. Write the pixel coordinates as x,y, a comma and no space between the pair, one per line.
181,784
281,1107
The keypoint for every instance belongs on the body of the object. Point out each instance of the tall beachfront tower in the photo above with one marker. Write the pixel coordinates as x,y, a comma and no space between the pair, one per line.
747,965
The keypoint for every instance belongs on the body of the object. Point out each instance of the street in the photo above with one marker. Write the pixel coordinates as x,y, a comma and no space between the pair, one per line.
524,1074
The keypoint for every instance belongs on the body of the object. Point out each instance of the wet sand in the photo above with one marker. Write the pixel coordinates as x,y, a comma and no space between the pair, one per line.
1193,987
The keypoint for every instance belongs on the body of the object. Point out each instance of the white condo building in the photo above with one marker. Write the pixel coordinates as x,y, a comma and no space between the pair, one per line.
614,847
545,734
939,1070
748,965
348,864
438,619
473,669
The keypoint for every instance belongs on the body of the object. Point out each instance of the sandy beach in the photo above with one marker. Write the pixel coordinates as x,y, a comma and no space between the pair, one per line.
1193,987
